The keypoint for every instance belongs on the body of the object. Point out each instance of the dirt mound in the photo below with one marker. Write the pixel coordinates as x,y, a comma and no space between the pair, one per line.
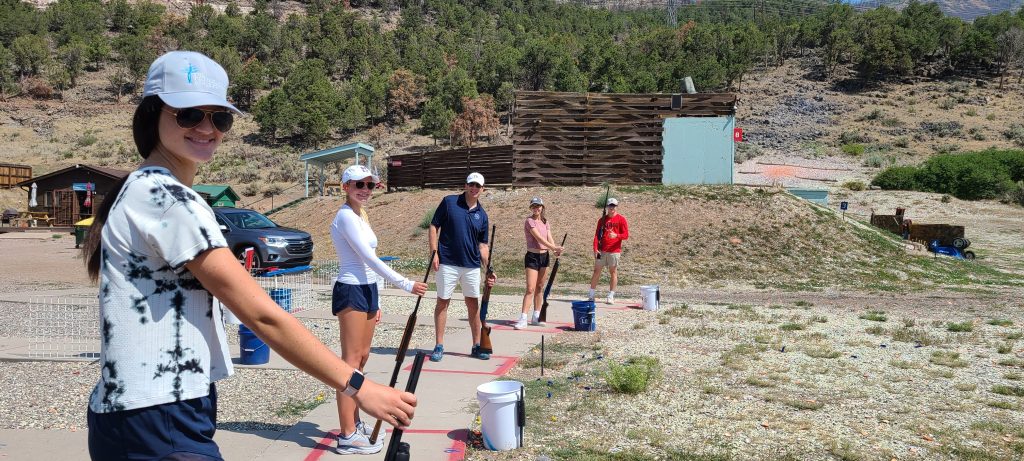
718,236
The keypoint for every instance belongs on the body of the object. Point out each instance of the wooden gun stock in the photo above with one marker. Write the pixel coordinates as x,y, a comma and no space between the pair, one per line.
485,331
403,346
543,317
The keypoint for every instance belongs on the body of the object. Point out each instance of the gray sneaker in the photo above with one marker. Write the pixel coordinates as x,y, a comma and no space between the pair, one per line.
358,444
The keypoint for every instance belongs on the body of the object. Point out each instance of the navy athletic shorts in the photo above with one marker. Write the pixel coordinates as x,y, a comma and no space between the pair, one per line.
178,431
362,298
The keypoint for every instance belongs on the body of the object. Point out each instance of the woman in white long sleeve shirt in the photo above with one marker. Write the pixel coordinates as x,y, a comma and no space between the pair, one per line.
354,300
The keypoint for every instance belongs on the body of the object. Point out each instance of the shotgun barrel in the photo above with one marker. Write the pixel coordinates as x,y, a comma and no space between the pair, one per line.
543,317
485,331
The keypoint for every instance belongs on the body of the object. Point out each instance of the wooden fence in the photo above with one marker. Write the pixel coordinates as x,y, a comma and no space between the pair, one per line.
448,169
589,138
11,174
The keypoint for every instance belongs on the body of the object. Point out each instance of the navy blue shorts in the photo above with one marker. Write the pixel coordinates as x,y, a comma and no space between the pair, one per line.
362,298
170,431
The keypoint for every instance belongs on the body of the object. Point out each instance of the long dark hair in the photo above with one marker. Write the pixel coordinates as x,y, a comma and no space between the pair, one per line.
146,133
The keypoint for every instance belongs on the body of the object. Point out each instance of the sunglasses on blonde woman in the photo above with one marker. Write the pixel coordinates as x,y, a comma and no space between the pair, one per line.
364,184
191,117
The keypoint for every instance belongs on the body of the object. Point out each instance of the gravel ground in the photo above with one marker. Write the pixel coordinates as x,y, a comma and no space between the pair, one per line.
252,399
736,385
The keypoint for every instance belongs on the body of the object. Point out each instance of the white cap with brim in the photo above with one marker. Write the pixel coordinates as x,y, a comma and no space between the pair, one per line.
612,201
356,173
475,177
188,79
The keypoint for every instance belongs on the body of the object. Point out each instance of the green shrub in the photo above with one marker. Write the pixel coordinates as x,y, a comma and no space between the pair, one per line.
902,142
1015,195
634,376
853,149
943,129
855,185
965,176
427,218
874,316
1015,133
852,137
897,178
874,161
961,327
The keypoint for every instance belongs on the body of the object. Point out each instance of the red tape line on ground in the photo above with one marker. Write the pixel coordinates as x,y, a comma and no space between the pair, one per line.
455,453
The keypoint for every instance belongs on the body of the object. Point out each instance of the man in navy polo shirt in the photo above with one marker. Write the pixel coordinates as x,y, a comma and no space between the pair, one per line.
458,234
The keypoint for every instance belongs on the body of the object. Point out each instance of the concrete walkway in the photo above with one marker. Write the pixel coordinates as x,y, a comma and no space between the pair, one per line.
446,392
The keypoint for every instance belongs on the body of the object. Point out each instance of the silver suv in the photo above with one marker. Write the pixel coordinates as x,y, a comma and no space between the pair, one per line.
275,246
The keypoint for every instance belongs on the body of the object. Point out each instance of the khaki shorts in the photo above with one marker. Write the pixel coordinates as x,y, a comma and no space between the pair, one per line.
608,260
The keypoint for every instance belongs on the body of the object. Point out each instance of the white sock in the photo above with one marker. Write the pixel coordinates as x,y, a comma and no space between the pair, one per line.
522,317
611,294
536,315
591,292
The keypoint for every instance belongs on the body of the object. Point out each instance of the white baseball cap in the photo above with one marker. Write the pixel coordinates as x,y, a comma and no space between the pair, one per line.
612,201
357,172
188,79
475,177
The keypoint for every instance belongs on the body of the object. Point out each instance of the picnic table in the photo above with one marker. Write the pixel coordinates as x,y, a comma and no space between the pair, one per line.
32,219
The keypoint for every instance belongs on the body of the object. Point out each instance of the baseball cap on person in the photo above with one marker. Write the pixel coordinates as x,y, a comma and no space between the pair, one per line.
188,79
536,201
475,177
357,172
612,201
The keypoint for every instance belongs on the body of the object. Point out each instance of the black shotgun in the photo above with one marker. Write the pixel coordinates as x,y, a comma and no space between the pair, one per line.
543,317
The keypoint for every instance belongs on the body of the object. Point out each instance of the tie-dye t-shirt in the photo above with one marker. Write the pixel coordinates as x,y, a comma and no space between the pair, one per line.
162,338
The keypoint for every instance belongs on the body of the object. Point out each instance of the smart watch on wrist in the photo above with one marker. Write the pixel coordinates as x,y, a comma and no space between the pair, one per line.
355,382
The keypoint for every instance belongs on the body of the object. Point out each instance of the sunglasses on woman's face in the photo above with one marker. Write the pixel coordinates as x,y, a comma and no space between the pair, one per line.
364,184
191,117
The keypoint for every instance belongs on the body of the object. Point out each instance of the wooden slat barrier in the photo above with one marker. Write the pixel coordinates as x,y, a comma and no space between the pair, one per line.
448,169
590,138
11,174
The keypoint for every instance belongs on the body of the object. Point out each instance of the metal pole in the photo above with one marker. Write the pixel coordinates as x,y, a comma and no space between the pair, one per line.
542,355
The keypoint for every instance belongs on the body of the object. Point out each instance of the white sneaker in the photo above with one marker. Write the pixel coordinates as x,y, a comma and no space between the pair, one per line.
358,444
536,322
520,324
610,299
368,430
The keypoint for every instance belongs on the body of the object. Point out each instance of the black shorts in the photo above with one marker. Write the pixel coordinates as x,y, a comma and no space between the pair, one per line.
537,260
362,298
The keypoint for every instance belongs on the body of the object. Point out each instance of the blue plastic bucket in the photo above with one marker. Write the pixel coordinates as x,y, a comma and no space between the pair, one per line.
254,350
584,315
283,298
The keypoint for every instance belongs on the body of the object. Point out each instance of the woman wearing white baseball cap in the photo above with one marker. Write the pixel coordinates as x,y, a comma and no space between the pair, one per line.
354,299
159,257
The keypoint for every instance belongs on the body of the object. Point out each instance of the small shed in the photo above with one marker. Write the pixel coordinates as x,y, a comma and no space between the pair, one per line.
217,194
69,195
335,155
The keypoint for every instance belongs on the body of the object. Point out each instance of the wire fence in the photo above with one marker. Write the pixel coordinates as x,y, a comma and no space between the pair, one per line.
325,272
62,328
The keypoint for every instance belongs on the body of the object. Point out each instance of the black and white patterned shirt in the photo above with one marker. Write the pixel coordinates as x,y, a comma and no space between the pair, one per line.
162,338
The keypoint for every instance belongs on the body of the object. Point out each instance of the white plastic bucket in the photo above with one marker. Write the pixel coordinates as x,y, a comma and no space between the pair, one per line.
649,296
498,414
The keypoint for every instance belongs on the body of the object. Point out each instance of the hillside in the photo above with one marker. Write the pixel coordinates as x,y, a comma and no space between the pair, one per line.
681,237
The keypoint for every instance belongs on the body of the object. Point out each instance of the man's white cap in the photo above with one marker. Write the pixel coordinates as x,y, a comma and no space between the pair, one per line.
612,201
475,177
188,79
356,173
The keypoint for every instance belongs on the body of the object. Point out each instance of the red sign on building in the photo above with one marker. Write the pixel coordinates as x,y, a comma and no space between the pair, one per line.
737,134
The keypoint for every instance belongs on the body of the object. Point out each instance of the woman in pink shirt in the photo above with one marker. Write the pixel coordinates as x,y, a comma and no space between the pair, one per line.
538,242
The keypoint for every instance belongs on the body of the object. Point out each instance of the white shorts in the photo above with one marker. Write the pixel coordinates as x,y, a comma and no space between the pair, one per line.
448,276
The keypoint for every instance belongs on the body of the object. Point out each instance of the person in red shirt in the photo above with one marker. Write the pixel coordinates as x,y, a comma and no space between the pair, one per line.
607,251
